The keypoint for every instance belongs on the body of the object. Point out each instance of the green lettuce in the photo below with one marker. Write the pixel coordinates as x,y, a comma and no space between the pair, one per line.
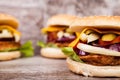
10,49
27,50
70,53
43,45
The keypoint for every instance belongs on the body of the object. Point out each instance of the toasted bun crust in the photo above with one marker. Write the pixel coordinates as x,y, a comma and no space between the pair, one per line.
61,19
6,19
100,22
90,70
52,53
4,56
97,50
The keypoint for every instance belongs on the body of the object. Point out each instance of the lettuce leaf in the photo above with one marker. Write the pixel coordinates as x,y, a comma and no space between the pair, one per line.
70,53
43,45
27,50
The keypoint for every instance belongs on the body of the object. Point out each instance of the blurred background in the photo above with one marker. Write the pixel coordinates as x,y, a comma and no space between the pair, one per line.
33,14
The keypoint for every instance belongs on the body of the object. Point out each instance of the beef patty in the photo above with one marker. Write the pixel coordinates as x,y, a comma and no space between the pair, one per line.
101,60
9,45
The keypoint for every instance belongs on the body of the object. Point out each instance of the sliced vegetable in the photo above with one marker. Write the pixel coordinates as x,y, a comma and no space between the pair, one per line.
67,35
116,40
108,37
83,37
27,50
60,34
92,37
104,43
97,50
70,52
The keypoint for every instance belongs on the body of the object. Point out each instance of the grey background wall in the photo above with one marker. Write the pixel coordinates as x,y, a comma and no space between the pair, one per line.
33,14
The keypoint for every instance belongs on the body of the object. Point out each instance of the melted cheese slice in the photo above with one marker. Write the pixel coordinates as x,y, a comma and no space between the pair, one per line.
52,28
101,31
12,31
73,43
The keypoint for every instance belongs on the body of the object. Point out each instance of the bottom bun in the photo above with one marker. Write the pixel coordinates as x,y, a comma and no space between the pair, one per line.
52,53
4,56
91,70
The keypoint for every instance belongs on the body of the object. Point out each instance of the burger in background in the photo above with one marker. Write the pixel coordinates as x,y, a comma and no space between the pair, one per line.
10,47
58,36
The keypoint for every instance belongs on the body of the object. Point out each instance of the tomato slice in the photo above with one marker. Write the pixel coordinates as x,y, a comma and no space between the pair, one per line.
105,43
116,40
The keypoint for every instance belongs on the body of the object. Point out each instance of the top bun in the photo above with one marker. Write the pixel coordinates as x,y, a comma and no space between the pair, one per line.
8,20
100,22
61,20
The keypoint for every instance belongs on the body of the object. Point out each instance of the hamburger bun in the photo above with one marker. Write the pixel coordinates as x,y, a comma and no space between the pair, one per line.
61,20
98,22
6,19
4,56
91,70
52,53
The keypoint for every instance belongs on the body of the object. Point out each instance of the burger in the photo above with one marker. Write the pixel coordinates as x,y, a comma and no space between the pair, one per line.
96,50
57,36
10,47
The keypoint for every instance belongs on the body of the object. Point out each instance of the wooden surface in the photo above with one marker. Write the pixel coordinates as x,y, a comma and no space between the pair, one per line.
39,68
32,15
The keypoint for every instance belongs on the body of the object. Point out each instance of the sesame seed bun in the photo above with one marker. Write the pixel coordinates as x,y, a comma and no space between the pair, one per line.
98,22
52,53
6,19
61,20
91,70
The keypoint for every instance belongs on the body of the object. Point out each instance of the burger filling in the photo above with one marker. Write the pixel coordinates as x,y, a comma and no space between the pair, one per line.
106,39
61,36
9,38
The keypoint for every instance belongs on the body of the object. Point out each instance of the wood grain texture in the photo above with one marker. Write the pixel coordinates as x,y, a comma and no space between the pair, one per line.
39,68
33,15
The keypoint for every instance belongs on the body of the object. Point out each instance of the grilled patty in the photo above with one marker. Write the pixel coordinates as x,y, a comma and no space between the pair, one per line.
9,45
101,60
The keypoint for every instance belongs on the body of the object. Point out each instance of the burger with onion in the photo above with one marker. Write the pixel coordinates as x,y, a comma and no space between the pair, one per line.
10,47
96,50
58,36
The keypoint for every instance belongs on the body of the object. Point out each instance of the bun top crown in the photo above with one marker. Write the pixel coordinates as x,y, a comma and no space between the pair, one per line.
8,20
61,20
99,22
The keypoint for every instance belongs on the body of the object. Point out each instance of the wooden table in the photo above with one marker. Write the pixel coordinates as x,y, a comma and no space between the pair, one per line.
39,68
